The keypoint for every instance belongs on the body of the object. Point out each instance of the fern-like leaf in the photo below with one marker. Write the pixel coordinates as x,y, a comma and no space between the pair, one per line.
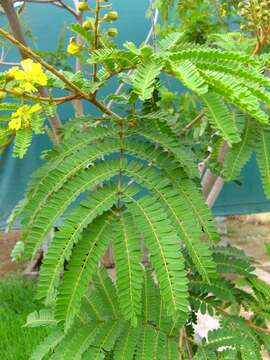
126,345
182,155
47,345
166,258
129,274
76,342
33,235
172,352
43,317
69,234
214,55
146,346
22,142
221,118
82,265
107,291
263,157
186,72
144,79
236,93
188,230
240,153
189,192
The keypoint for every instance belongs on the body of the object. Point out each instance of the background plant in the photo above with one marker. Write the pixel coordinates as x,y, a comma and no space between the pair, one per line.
137,166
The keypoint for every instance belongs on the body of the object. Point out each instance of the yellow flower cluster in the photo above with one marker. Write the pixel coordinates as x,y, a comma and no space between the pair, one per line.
21,118
30,76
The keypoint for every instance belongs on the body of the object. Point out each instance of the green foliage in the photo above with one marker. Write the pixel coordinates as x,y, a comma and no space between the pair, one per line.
17,301
110,333
130,179
101,327
144,79
221,118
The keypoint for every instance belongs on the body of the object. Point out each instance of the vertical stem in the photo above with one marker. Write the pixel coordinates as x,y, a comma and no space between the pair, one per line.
188,347
121,157
153,22
18,34
96,35
78,104
180,343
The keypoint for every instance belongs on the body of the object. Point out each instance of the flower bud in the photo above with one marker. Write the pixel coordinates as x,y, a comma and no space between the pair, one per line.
9,76
111,16
112,32
83,6
87,25
2,95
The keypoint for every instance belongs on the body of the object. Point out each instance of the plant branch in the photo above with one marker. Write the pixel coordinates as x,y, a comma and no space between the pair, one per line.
180,343
194,121
20,43
27,52
67,7
78,104
96,29
59,3
187,341
30,53
59,100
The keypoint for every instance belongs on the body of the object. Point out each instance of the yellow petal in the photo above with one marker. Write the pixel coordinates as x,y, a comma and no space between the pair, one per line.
35,108
27,65
43,80
73,48
15,124
27,86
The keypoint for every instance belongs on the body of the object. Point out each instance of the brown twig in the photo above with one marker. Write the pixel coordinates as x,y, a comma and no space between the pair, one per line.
194,121
31,54
67,7
14,23
180,343
78,104
96,36
59,3
187,342
59,100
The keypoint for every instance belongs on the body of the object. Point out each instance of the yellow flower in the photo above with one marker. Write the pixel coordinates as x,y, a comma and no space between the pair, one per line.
223,12
21,118
30,75
73,47
15,124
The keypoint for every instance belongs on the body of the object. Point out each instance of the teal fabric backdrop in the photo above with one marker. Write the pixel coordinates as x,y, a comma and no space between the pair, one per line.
46,22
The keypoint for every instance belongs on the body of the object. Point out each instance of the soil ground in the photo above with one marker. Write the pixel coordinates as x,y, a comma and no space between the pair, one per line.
249,232
7,241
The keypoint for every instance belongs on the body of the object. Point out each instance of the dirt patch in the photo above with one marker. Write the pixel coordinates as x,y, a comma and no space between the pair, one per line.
7,241
251,233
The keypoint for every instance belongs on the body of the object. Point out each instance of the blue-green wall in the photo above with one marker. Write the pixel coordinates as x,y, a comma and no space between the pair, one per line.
46,22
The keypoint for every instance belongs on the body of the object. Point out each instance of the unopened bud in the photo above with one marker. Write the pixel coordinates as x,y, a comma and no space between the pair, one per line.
83,6
111,16
112,32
